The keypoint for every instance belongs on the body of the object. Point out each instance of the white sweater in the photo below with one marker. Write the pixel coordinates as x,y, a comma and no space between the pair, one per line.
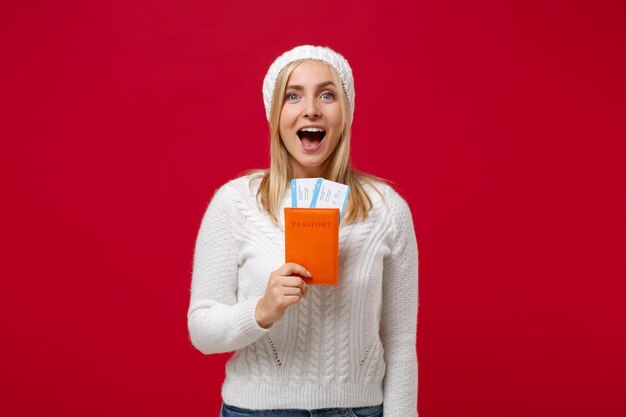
350,345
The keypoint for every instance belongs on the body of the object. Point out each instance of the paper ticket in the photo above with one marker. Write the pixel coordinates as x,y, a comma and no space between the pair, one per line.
303,190
331,194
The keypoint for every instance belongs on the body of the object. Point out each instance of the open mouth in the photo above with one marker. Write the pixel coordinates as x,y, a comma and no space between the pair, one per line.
311,136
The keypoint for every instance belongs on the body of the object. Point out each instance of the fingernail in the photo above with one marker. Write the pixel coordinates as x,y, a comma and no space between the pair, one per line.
308,274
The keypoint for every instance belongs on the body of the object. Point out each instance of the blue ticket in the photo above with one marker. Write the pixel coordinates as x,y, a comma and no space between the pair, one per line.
331,194
303,190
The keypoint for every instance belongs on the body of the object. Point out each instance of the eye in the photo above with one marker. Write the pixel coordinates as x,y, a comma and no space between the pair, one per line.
328,95
291,96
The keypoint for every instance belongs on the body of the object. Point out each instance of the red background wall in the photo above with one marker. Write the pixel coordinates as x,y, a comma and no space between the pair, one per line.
502,123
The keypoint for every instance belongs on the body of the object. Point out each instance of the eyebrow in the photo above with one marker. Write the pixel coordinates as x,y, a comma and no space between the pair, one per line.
320,85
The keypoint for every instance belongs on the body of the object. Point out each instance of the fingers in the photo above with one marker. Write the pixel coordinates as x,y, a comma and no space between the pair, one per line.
286,278
295,283
303,289
291,268
291,291
280,290
292,281
285,288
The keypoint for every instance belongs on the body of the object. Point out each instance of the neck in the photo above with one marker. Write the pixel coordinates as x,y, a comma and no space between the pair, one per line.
301,171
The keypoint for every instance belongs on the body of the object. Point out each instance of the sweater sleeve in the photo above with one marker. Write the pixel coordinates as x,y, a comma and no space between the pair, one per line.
399,313
217,321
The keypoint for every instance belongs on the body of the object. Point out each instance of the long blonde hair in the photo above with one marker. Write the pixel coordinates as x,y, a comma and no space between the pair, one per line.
337,167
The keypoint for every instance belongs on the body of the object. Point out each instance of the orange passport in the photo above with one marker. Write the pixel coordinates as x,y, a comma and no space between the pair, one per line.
312,240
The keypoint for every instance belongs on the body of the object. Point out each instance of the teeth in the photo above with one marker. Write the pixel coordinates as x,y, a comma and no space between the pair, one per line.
311,129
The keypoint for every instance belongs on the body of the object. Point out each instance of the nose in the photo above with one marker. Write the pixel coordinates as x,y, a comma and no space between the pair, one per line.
311,108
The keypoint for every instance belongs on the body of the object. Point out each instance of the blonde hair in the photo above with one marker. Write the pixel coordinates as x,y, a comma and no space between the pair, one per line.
337,167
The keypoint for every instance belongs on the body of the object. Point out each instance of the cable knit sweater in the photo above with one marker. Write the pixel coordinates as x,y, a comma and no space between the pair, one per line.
350,345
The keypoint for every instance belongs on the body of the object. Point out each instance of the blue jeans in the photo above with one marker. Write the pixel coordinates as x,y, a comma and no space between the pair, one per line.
373,411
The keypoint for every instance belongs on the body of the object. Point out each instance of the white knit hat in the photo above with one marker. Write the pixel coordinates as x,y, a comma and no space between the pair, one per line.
319,53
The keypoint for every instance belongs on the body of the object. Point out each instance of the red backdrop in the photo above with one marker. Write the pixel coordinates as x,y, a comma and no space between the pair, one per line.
502,123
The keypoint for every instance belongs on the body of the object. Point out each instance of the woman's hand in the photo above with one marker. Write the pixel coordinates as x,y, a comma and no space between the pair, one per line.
284,289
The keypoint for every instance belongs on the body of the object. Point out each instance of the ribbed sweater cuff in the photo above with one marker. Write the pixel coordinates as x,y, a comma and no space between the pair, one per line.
247,320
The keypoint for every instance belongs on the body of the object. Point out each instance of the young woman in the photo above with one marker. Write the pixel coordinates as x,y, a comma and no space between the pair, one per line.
303,350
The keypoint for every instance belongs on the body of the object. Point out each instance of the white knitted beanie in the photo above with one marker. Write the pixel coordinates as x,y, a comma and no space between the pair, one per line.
319,53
